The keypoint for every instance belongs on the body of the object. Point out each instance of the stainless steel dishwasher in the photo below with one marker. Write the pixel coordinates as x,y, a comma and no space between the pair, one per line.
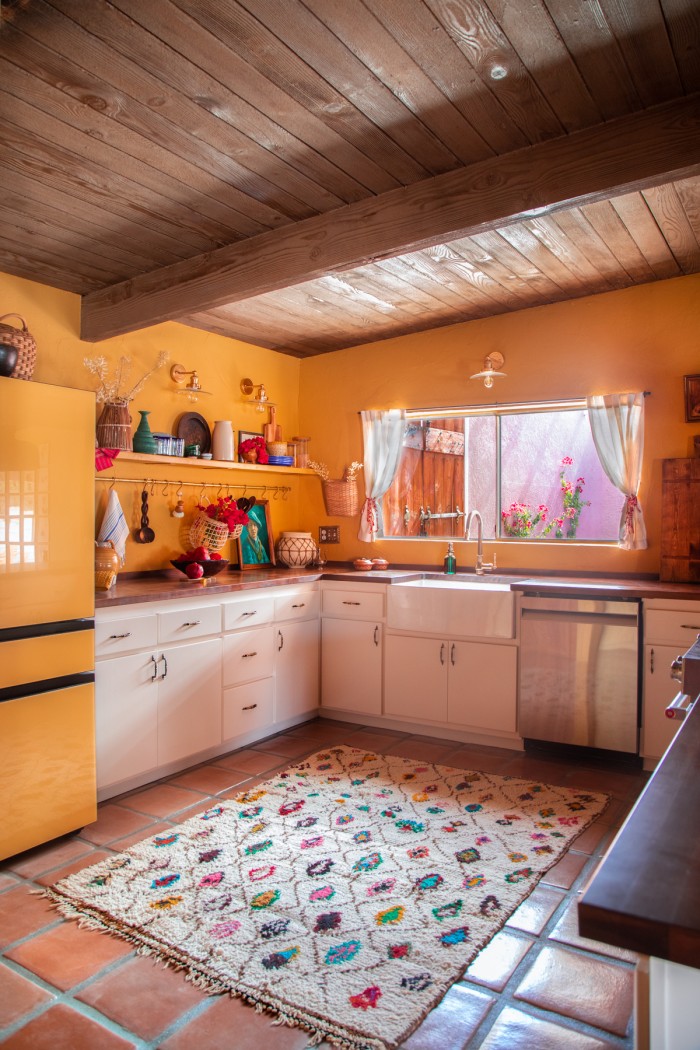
579,672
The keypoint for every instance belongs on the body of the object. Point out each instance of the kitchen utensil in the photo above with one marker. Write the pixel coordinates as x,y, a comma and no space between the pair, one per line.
145,534
244,503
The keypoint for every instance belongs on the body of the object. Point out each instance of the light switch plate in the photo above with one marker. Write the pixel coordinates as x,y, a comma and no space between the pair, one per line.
329,534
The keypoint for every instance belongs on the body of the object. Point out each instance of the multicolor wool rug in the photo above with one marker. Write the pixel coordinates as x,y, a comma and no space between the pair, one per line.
345,895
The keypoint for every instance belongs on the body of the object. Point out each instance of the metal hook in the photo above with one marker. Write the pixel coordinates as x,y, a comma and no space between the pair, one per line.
277,492
285,495
112,484
166,486
153,486
179,490
203,494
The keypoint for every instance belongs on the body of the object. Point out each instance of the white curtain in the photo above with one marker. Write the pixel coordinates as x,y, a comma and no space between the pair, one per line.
617,425
383,434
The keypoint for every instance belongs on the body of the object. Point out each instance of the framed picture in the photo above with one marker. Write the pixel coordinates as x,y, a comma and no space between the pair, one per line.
243,435
256,545
692,399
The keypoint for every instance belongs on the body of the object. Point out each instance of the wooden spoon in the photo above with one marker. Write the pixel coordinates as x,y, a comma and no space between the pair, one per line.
145,534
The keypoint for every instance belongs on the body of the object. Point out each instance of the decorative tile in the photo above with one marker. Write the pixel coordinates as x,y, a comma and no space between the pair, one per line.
580,987
566,931
453,1021
142,996
23,912
536,910
63,1027
113,822
496,963
68,954
18,996
161,800
516,1030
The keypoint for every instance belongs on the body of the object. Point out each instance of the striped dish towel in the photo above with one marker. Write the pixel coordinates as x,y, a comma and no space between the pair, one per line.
114,526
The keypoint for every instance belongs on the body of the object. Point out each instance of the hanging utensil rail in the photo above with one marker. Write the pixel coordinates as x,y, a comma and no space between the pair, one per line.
217,485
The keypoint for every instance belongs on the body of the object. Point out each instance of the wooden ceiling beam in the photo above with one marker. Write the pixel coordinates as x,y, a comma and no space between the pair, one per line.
630,153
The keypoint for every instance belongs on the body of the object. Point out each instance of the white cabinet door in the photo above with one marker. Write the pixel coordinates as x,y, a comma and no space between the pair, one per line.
659,690
415,677
126,717
296,669
189,699
482,686
351,665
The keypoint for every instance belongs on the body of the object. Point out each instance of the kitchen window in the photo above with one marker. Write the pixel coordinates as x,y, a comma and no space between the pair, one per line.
532,471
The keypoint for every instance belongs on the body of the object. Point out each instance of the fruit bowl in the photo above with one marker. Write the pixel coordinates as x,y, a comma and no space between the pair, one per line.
211,567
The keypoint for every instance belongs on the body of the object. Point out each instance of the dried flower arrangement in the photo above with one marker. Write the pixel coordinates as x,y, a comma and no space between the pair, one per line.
349,474
110,390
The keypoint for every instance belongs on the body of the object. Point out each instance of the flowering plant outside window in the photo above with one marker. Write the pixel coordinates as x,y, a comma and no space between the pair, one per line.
520,520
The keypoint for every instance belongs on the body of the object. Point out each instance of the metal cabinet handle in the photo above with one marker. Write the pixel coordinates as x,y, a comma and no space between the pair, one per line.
127,634
246,655
376,636
442,653
192,623
299,605
690,627
155,668
165,667
250,707
280,647
452,654
351,603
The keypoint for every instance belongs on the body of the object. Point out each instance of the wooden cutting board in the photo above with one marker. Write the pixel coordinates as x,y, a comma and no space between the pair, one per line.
680,520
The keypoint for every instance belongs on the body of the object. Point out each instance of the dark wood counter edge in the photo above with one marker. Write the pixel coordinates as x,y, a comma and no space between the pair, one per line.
168,584
644,896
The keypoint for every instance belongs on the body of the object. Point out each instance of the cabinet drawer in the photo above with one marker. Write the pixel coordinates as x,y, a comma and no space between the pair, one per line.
672,627
303,606
248,655
185,624
123,636
360,605
248,612
248,708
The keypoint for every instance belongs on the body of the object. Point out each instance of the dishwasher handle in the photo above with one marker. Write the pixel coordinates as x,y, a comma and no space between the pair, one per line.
572,616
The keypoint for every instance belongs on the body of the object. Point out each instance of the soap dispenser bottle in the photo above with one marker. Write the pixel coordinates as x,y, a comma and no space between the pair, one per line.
450,561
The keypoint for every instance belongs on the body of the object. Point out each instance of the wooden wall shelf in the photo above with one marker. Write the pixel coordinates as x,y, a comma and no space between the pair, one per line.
187,462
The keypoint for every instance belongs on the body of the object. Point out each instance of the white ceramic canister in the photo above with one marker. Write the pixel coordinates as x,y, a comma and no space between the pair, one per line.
222,439
296,550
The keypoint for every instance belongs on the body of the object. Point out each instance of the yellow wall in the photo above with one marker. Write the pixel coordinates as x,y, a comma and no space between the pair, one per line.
642,338
53,318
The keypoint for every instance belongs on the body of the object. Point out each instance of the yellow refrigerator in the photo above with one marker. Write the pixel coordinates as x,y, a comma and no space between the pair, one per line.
47,721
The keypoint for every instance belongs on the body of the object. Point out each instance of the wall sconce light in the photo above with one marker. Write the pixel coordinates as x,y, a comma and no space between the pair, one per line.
492,364
261,401
193,390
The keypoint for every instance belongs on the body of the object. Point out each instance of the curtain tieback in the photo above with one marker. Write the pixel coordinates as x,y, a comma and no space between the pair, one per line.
631,505
371,505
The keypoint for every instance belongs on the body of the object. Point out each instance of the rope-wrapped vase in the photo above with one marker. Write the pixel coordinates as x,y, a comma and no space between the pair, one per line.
114,426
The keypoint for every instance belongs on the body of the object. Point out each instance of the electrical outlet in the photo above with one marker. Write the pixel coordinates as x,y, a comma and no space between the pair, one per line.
329,534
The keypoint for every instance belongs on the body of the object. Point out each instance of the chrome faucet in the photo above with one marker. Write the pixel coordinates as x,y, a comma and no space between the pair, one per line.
481,566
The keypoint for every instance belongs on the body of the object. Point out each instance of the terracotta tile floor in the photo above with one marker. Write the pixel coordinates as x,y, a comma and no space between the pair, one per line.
538,985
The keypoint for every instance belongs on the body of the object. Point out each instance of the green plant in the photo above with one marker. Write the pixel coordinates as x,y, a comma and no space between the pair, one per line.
520,520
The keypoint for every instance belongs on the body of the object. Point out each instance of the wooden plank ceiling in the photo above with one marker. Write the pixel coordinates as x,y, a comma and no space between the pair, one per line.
307,175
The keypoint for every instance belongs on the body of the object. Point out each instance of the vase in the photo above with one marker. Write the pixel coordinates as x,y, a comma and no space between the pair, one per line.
143,438
114,426
296,550
250,457
222,440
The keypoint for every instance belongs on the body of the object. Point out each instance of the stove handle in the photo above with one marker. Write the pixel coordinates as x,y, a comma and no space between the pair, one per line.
679,706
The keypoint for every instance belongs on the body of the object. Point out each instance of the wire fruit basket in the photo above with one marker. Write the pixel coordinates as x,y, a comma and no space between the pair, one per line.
212,534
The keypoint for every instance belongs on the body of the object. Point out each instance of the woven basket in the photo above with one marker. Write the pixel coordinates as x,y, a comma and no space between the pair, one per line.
23,341
341,498
114,427
212,534
277,448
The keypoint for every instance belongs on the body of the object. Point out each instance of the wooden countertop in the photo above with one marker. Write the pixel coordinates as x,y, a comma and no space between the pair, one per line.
644,896
166,584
